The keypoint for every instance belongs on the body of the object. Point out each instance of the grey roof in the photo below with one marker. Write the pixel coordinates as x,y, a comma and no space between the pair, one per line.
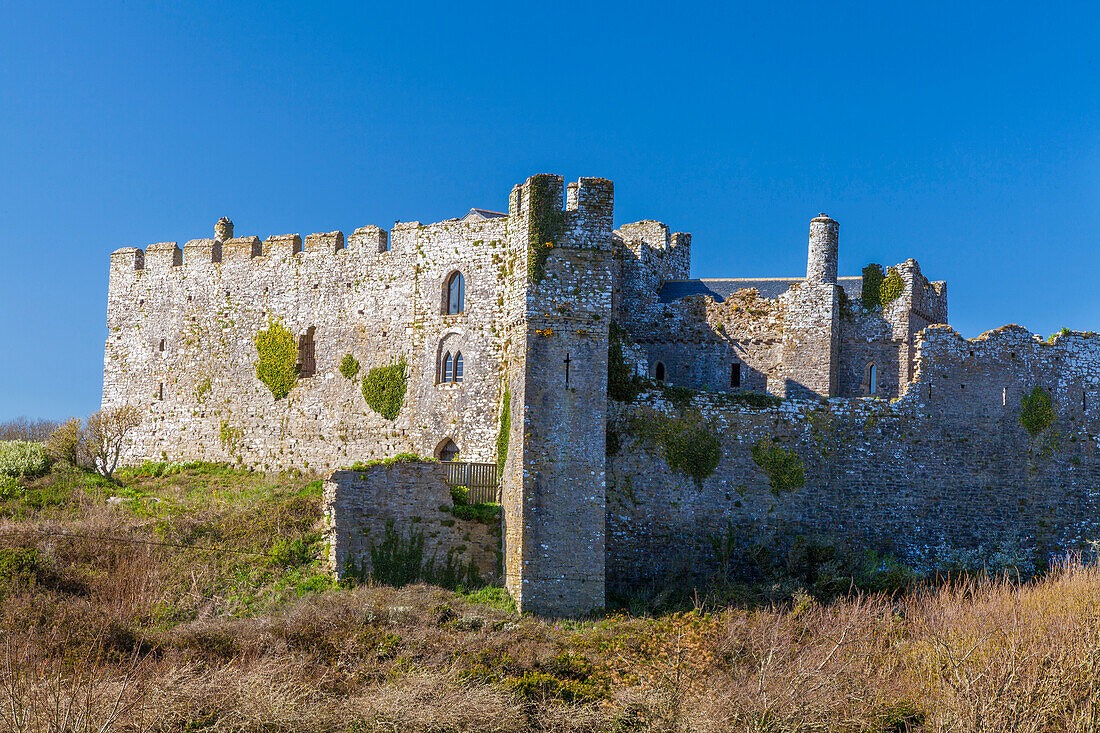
720,289
476,213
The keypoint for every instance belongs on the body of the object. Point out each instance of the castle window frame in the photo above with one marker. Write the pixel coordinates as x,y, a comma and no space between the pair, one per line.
454,294
872,380
451,360
735,375
659,371
307,358
447,373
161,347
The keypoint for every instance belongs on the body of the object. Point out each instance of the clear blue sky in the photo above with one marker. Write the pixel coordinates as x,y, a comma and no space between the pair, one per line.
966,137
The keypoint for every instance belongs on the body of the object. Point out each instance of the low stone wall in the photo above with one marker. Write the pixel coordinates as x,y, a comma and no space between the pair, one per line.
414,496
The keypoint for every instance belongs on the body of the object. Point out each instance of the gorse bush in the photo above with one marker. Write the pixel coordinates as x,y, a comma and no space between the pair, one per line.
20,458
277,366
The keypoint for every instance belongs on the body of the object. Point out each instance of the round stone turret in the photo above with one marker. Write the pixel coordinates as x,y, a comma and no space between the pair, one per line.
824,243
223,230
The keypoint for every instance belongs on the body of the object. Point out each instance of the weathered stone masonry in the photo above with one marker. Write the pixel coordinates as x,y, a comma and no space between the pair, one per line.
909,434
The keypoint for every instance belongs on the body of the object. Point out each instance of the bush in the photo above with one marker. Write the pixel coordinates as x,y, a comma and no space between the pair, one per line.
106,435
68,443
277,366
20,458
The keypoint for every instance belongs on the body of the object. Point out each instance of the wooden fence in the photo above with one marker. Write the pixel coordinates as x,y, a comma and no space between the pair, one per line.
480,480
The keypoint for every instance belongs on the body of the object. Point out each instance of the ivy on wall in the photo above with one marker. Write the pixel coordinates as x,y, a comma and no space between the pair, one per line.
872,282
623,385
880,289
547,221
349,367
688,445
278,363
505,430
784,468
1036,411
891,287
384,389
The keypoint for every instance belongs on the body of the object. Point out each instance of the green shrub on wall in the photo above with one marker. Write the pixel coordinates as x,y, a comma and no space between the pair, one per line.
784,468
384,389
1036,411
505,429
278,363
547,221
349,367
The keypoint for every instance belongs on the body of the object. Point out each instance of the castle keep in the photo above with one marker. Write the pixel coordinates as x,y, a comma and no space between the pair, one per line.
634,412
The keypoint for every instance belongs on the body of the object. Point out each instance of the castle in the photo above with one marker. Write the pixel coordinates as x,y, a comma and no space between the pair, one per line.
497,336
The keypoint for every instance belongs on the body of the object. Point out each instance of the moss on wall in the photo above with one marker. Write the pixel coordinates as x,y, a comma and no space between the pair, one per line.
277,366
384,389
547,221
784,467
505,430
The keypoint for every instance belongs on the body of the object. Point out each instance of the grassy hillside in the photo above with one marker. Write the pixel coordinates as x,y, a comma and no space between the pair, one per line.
192,600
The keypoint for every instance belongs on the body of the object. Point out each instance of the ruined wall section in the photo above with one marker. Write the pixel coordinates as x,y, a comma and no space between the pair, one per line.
378,297
412,498
886,336
944,474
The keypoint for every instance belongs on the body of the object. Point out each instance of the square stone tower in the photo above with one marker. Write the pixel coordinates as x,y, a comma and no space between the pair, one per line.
556,378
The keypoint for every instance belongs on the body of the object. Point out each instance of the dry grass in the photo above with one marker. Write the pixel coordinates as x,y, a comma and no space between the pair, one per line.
137,637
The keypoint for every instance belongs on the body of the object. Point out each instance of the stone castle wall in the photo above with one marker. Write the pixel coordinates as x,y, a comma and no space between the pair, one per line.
412,496
182,327
947,468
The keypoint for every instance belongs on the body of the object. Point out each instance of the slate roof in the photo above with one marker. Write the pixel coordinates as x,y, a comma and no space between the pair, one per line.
475,214
720,289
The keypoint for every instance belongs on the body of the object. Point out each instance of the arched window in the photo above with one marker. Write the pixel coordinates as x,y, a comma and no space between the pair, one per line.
449,451
458,367
455,300
659,372
447,374
872,380
735,375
